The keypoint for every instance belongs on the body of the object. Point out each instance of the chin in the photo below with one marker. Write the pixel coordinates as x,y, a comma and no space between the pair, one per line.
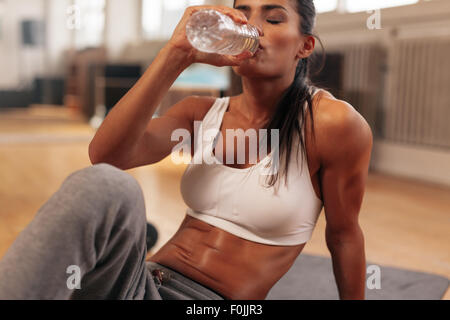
251,70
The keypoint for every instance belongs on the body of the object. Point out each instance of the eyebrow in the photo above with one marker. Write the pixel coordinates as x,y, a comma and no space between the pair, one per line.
266,7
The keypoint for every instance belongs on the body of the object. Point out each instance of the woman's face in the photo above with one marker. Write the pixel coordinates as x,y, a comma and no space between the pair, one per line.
281,40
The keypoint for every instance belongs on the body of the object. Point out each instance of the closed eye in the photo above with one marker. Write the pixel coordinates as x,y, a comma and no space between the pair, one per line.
273,21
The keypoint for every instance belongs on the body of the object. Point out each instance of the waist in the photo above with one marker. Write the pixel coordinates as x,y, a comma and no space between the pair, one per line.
166,275
233,267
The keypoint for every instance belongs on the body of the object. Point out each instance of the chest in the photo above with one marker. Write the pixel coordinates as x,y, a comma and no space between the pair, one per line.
240,147
243,198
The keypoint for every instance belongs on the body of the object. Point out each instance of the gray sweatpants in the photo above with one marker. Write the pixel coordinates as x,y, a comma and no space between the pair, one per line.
88,241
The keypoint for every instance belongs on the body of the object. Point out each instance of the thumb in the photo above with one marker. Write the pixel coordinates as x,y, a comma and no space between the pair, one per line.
241,57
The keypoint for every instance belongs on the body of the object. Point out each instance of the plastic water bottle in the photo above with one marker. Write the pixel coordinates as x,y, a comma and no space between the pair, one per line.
214,32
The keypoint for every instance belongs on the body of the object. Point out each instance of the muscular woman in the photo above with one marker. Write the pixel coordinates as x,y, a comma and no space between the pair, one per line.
238,237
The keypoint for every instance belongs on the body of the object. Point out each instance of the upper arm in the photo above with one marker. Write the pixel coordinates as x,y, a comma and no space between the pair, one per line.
156,142
345,150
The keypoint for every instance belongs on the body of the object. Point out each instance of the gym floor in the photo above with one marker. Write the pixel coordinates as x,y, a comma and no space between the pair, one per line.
405,222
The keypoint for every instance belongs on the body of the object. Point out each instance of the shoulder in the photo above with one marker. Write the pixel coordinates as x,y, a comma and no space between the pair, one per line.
191,108
200,105
341,131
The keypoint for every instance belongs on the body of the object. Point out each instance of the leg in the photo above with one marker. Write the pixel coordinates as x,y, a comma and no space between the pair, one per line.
96,221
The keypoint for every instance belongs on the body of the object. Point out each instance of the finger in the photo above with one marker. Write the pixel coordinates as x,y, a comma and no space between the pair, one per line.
236,15
244,55
241,15
237,60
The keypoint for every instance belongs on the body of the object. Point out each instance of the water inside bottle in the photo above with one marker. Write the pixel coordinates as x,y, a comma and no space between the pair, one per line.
240,43
209,33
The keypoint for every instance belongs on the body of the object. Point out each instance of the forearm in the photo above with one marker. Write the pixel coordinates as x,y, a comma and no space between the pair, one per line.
349,265
127,120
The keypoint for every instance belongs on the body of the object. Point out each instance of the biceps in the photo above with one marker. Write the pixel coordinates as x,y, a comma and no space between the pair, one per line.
162,135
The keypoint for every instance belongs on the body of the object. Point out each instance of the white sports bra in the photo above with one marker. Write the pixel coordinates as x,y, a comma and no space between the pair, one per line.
237,201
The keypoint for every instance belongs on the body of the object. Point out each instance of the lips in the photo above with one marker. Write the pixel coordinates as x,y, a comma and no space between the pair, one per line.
260,48
257,51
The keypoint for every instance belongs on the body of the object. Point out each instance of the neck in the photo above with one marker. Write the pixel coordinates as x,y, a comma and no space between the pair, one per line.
260,96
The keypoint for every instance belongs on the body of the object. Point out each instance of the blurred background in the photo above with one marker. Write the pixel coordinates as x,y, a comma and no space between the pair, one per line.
65,63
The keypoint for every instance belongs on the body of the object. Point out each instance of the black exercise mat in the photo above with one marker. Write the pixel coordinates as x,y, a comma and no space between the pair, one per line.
311,277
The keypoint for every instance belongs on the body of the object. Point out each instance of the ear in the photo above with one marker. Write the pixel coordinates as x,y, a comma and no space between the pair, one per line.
307,47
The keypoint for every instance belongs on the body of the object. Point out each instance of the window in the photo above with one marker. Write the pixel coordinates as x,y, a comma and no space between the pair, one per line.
91,24
159,18
358,5
151,18
325,5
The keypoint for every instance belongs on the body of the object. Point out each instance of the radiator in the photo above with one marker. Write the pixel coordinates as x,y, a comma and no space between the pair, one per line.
403,91
363,81
417,109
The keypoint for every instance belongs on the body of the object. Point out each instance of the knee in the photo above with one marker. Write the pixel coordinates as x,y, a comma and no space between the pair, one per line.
104,184
104,176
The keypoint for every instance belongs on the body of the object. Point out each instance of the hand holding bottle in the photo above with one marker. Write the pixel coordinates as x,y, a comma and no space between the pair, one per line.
179,40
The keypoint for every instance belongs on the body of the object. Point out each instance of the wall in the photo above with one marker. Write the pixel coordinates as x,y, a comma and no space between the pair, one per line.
17,63
20,65
123,25
59,37
423,20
